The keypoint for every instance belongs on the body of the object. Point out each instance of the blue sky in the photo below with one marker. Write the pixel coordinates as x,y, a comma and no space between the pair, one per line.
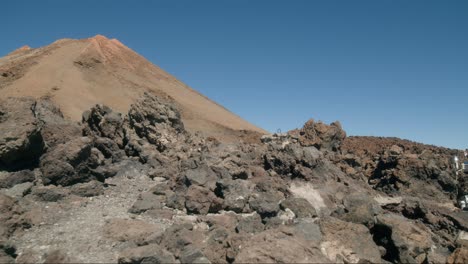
382,68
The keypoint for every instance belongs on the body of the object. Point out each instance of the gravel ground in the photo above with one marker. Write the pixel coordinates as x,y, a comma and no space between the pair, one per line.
76,226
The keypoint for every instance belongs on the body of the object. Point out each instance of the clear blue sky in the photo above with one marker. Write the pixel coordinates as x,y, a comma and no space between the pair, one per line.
383,68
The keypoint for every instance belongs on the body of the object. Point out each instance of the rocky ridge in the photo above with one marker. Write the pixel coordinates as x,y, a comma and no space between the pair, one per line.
140,188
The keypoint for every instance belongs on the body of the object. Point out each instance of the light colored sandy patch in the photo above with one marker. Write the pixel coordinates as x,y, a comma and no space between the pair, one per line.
307,191
462,238
385,200
336,252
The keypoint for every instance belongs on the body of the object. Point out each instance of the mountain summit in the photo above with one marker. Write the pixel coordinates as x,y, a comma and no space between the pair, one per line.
78,74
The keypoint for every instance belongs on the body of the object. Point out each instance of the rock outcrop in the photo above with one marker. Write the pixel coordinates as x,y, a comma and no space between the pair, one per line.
320,135
139,188
21,142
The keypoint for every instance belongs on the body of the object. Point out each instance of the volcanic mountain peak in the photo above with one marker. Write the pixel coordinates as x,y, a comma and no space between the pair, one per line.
99,37
107,48
77,74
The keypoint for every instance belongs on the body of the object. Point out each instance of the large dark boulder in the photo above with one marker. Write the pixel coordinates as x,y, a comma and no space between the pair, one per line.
146,254
236,194
299,206
360,208
404,241
200,200
21,142
202,176
279,246
101,121
11,218
266,204
69,163
10,179
320,135
54,128
348,242
156,120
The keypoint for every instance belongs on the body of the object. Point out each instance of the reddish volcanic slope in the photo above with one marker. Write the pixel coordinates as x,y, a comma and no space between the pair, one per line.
77,74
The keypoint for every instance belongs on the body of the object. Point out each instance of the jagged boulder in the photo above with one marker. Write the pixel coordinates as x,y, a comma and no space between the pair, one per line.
147,201
236,194
299,206
49,193
10,179
279,245
88,189
146,254
29,128
101,121
250,224
200,200
320,135
293,159
21,142
348,242
266,204
403,240
360,208
54,128
11,218
203,176
402,167
69,163
156,120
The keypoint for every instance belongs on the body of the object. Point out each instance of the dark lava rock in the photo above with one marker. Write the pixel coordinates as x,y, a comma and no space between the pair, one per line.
320,135
200,200
265,204
250,224
10,179
11,218
306,228
21,142
236,194
151,253
55,129
201,176
360,209
192,255
156,120
88,189
49,193
147,201
101,122
403,240
279,246
68,163
342,238
299,206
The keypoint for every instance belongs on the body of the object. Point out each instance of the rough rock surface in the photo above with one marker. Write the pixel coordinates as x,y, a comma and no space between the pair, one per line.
275,246
398,166
21,142
146,254
138,188
320,135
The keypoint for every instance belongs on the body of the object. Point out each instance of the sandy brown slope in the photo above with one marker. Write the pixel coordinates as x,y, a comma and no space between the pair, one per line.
78,74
